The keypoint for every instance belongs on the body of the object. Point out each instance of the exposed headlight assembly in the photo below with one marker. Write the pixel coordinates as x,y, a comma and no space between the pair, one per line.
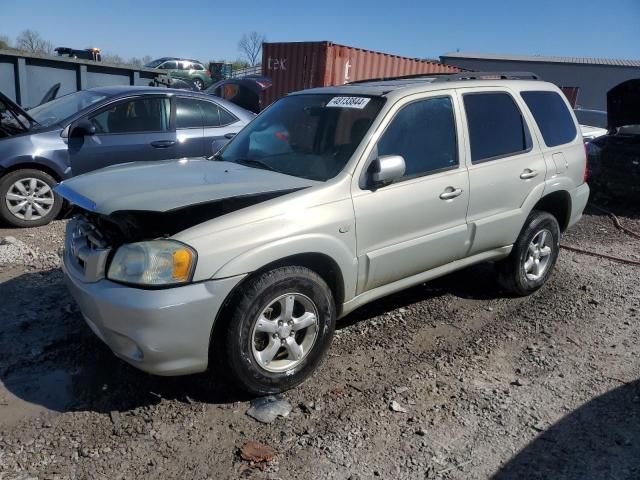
153,263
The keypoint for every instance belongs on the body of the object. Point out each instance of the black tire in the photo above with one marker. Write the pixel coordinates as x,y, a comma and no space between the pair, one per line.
198,83
235,340
10,179
511,271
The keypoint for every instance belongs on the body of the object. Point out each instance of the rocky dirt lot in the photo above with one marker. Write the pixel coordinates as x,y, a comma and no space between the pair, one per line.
451,379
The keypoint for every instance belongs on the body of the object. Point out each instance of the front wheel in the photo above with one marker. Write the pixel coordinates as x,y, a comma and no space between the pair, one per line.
198,83
27,198
533,257
280,328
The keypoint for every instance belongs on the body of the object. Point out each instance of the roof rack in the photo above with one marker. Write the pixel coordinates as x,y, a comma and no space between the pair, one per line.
399,77
455,77
488,76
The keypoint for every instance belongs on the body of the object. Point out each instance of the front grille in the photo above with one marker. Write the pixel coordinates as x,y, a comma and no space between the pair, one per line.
86,249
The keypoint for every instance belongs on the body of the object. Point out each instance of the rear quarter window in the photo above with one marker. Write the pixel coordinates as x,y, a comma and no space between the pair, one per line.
552,116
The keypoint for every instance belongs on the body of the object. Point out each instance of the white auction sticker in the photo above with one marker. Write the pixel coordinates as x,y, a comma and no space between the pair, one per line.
349,102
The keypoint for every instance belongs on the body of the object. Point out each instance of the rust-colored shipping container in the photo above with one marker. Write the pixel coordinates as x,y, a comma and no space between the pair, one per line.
298,65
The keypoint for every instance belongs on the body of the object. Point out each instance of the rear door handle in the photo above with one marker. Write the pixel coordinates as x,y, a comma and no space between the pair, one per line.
528,173
450,193
163,143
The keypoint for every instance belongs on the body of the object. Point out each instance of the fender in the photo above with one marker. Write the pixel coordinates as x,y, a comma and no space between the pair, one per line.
31,161
312,243
557,184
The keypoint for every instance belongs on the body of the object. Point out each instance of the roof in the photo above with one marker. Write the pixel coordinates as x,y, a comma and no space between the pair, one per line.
124,90
543,59
180,59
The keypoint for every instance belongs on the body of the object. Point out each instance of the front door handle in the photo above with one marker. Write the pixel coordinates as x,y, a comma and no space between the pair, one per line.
528,173
163,143
230,135
450,193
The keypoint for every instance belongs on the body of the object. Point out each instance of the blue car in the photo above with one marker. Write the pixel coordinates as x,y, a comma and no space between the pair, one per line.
95,128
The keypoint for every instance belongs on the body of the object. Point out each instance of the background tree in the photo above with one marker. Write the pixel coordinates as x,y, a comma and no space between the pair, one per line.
4,42
31,41
112,58
250,45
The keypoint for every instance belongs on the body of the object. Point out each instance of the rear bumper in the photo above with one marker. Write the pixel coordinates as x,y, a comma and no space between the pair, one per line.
164,332
579,199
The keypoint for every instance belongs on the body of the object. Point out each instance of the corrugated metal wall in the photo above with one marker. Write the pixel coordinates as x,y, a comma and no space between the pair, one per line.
594,81
299,65
26,78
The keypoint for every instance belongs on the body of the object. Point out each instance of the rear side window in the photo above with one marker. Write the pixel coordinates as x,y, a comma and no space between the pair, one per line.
552,116
496,126
214,116
188,113
424,133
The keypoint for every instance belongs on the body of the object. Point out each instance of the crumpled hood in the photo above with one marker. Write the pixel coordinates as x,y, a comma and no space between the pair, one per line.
623,104
167,185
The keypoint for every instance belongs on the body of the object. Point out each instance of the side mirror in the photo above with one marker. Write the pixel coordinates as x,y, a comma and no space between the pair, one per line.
83,128
386,169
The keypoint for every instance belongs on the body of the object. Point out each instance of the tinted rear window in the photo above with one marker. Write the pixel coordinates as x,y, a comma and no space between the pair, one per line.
552,116
496,126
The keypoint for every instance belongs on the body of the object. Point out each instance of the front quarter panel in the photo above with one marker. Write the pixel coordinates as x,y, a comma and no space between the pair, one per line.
46,148
317,220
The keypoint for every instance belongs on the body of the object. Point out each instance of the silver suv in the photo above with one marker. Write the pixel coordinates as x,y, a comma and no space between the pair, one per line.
329,199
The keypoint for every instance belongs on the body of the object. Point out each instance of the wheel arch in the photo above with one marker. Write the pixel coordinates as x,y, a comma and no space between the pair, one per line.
35,165
322,264
558,204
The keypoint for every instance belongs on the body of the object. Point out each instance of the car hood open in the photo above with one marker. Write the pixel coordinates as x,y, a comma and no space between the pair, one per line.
623,104
13,118
169,185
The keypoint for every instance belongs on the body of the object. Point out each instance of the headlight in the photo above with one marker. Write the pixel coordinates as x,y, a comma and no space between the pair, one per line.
157,262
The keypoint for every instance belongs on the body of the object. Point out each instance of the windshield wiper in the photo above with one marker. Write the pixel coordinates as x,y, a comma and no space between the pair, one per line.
249,162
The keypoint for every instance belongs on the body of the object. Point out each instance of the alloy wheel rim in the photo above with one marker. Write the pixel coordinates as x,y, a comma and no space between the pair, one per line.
285,332
538,256
29,199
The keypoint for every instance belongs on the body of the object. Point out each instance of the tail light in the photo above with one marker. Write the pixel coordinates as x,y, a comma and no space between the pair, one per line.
207,73
585,177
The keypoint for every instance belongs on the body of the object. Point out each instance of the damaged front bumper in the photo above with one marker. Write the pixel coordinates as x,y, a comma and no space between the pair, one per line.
163,332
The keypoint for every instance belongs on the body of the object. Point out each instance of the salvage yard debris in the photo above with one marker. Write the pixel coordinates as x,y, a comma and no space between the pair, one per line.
267,409
257,454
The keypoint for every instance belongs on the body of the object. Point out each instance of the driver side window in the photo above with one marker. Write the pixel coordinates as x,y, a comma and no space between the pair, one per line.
424,134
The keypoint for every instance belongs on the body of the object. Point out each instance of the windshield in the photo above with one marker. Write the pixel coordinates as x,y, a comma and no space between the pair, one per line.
63,107
309,136
591,118
154,64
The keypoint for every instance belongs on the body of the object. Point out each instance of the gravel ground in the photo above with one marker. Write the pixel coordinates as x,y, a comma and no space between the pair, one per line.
451,379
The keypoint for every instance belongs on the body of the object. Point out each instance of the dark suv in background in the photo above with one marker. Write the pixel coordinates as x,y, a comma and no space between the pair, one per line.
95,128
184,69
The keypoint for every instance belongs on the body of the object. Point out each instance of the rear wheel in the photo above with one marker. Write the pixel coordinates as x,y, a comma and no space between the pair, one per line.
280,327
534,255
27,198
